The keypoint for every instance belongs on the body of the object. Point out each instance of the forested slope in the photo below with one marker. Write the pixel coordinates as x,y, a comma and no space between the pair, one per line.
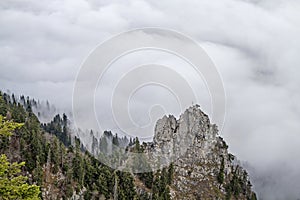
59,166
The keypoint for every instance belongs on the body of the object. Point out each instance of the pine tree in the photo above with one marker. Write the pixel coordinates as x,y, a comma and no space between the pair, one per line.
55,158
12,184
3,106
7,127
220,176
103,145
115,143
126,188
38,173
170,173
65,135
77,163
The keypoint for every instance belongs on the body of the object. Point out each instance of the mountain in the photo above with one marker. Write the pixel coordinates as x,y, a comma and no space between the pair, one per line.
190,160
202,166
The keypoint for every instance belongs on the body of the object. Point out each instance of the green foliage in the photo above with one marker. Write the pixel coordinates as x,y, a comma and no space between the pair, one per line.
144,196
253,196
6,130
137,148
115,142
59,127
7,127
170,173
32,142
69,191
161,183
18,113
12,184
146,178
47,149
77,164
126,188
81,170
3,106
220,176
166,194
238,184
103,185
55,157
140,162
38,174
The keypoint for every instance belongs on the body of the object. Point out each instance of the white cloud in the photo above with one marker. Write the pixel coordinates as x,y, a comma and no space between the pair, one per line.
254,44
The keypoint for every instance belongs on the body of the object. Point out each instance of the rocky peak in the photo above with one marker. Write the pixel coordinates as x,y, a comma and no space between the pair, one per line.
203,168
193,122
173,138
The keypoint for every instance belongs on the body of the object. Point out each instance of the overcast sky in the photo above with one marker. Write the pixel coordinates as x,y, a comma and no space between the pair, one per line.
254,44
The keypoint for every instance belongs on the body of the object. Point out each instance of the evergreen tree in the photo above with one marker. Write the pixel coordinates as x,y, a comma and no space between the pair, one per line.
103,187
115,143
220,176
103,145
3,106
38,173
12,184
65,135
55,157
126,188
77,163
170,173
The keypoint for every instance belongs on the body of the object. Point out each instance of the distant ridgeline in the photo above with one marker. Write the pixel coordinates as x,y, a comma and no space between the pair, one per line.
64,168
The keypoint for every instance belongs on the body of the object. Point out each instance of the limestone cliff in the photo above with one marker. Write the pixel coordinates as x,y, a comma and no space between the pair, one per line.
203,168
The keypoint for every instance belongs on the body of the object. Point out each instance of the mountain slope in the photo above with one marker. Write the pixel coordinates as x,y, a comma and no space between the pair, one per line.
61,167
203,168
193,160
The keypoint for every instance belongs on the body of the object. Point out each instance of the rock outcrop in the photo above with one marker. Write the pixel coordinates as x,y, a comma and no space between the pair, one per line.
203,168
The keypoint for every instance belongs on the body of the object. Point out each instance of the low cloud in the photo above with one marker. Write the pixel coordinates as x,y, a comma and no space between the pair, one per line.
254,44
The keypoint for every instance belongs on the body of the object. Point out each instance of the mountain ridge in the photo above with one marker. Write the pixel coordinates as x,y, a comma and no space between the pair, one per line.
203,167
197,164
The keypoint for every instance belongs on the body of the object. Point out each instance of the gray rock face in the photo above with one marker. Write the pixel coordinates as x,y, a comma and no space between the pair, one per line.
175,139
203,167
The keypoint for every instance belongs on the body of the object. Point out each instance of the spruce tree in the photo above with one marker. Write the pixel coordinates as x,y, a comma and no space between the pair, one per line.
12,184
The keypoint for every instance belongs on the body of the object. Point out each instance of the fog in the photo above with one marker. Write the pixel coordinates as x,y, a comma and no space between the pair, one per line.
254,44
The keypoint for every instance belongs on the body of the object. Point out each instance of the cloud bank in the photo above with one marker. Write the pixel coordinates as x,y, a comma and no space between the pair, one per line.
255,45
